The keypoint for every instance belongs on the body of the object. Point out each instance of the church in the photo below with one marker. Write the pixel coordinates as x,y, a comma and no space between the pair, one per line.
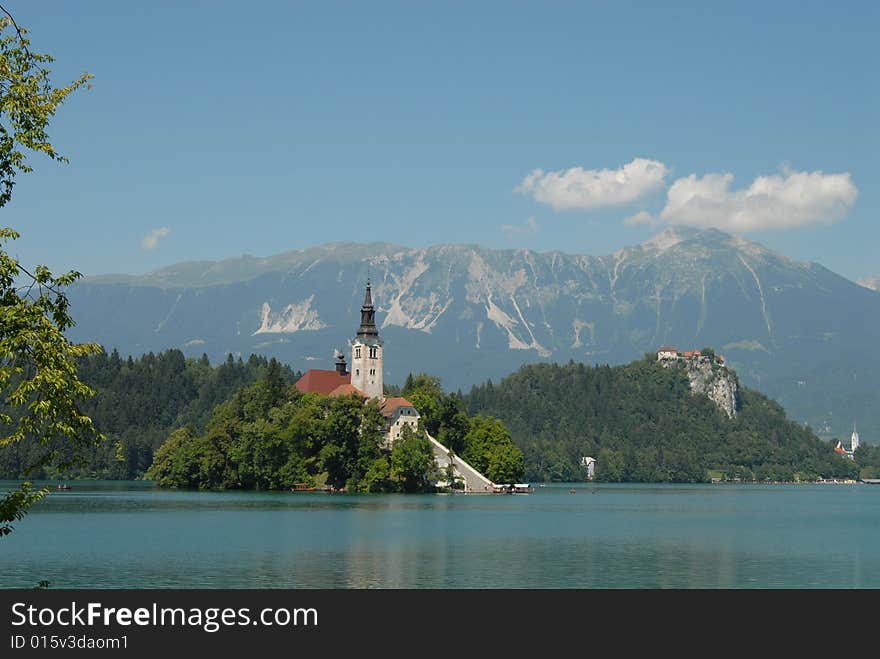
365,380
365,376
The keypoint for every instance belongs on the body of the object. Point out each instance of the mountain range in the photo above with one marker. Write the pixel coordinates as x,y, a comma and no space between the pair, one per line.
794,330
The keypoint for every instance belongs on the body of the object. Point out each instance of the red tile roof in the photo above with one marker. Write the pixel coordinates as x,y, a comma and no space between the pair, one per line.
347,390
316,381
667,349
390,405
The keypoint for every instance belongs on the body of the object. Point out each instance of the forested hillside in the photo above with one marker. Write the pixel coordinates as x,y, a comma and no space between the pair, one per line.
138,403
643,424
640,421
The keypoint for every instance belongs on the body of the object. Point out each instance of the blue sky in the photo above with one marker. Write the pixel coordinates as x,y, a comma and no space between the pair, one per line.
216,128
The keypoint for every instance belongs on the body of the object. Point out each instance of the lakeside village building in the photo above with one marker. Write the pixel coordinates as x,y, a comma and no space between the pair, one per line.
365,380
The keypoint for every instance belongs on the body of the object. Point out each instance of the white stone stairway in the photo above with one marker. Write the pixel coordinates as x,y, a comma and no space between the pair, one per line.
474,481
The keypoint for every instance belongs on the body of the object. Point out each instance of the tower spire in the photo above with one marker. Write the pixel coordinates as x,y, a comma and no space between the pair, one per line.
368,315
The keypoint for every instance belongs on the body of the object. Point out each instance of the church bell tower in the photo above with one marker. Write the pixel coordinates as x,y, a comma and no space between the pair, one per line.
366,351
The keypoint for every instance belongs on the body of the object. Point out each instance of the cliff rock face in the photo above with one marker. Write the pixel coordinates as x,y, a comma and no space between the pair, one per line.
714,381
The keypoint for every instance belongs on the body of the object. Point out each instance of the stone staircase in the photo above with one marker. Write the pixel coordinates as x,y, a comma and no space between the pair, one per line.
474,481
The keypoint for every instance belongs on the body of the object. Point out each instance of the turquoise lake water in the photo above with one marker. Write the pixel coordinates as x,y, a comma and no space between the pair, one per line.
132,535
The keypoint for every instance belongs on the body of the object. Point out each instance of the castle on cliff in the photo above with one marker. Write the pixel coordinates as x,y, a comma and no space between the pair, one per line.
665,353
718,384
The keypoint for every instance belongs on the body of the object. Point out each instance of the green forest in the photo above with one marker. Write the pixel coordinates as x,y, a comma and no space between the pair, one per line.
241,424
138,403
269,435
642,424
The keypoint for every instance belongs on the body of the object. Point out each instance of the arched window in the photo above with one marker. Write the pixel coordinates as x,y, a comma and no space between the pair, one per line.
357,352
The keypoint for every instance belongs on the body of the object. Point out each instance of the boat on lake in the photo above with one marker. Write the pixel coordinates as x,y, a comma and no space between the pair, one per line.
513,488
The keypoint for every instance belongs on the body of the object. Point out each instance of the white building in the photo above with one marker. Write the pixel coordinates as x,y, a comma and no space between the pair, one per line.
590,465
854,440
399,413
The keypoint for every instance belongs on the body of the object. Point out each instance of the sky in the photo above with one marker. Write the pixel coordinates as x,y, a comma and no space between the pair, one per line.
214,129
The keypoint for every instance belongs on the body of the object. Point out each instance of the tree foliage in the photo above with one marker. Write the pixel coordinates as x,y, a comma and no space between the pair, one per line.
490,450
38,377
41,388
867,458
38,373
14,505
28,101
140,401
412,462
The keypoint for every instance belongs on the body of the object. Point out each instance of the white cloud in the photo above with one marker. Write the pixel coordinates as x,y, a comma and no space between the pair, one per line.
531,226
151,240
771,202
585,189
642,217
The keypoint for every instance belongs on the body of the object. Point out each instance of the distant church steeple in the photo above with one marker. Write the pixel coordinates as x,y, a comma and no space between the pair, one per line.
366,351
854,440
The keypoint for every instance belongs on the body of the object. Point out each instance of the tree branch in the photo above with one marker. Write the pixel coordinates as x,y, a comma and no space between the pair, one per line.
17,29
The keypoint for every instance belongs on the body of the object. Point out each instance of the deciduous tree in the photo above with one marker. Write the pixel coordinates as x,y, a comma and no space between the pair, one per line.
38,377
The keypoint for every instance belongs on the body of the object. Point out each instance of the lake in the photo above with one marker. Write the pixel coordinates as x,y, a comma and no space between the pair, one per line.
106,534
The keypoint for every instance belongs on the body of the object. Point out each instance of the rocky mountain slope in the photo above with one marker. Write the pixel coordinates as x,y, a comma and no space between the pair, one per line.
871,282
794,330
709,378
